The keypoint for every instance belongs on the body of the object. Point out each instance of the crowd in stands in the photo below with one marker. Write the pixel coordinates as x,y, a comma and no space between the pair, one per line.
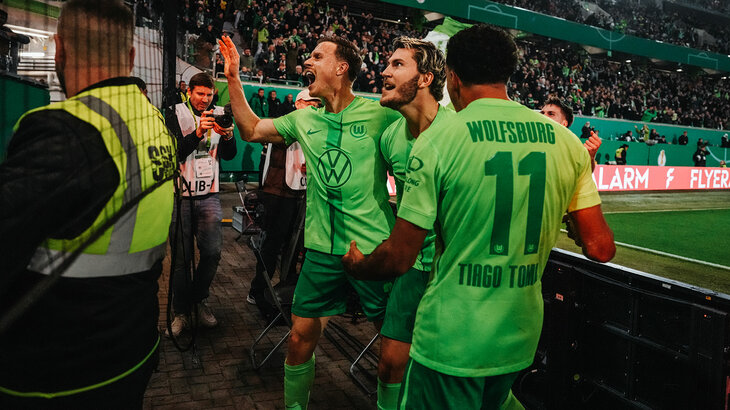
601,88
277,37
640,19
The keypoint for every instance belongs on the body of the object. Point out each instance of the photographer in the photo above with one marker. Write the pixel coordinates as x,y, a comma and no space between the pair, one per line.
204,136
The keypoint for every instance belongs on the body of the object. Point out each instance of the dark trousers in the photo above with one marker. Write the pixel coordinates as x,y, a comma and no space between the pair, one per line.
201,222
126,393
279,227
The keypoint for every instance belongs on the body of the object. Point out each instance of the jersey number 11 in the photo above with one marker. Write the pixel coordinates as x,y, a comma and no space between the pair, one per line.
533,164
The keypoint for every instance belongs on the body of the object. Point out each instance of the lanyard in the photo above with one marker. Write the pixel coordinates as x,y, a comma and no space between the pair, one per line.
207,134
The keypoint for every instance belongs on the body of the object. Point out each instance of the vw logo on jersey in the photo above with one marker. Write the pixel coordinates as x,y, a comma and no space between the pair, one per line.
358,130
334,167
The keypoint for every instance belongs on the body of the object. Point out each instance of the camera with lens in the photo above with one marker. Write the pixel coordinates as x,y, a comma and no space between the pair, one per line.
225,120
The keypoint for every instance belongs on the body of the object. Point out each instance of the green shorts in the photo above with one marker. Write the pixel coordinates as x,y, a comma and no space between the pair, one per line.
402,305
424,388
321,290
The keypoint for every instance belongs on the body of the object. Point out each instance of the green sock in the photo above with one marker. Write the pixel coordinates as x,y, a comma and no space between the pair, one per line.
388,395
297,383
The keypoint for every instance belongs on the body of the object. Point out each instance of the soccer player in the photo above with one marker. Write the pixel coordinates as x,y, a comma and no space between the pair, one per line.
562,114
413,84
493,182
347,195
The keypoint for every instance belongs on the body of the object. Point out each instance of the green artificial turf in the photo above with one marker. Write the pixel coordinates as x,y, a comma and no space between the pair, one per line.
701,235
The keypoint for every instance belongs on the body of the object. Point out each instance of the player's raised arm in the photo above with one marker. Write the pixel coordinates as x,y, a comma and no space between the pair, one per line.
252,128
590,231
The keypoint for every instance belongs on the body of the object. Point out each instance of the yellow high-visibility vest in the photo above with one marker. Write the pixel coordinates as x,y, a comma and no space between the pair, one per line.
143,151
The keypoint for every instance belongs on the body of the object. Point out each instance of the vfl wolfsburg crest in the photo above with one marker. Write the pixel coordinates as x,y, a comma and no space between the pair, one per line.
358,130
334,167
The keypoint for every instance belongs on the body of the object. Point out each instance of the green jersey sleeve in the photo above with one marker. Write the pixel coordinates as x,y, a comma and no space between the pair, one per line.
586,194
286,126
421,189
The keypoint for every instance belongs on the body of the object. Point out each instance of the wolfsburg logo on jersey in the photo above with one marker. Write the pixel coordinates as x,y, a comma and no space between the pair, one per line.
334,167
414,163
358,130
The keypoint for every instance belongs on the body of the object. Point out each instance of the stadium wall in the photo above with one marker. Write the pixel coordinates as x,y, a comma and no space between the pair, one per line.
640,153
19,95
610,128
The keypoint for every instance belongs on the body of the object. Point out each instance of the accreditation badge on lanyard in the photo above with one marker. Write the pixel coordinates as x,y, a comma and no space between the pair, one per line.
203,166
203,161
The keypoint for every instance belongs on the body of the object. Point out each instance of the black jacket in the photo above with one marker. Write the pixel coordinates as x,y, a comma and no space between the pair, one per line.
57,177
699,158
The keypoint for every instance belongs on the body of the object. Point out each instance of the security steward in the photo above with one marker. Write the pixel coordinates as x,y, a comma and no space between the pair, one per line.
86,192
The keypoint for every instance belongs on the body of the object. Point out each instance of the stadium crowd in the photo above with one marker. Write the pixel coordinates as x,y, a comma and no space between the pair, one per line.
278,36
602,88
641,20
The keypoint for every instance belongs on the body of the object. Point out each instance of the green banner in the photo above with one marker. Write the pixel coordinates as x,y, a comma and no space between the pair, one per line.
612,128
548,26
660,154
17,95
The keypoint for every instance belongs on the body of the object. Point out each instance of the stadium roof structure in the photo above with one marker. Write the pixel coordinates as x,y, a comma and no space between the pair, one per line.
555,27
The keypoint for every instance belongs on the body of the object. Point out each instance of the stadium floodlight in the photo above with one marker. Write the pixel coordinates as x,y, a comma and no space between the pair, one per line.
32,54
31,32
432,16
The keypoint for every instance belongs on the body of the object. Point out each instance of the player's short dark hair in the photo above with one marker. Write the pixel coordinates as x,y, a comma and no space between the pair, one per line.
201,79
567,111
429,59
482,54
101,33
346,51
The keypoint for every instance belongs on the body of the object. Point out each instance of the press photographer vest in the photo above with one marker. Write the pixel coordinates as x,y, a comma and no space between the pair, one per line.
143,152
200,169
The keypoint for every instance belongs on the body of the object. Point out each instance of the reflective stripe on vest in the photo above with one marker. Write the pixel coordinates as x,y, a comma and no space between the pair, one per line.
117,260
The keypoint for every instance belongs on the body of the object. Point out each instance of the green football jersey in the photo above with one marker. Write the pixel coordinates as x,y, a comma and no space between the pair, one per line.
494,182
347,193
396,144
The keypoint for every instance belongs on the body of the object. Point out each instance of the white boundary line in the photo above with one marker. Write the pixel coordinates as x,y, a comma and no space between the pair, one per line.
671,255
665,210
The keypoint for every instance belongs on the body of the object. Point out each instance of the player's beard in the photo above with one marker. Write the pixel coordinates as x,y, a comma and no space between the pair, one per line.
406,93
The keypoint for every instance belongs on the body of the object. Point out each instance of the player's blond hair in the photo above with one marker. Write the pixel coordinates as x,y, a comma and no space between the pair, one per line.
429,59
96,33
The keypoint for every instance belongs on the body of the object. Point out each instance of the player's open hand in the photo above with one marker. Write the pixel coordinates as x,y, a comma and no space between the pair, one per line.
592,144
352,258
230,55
